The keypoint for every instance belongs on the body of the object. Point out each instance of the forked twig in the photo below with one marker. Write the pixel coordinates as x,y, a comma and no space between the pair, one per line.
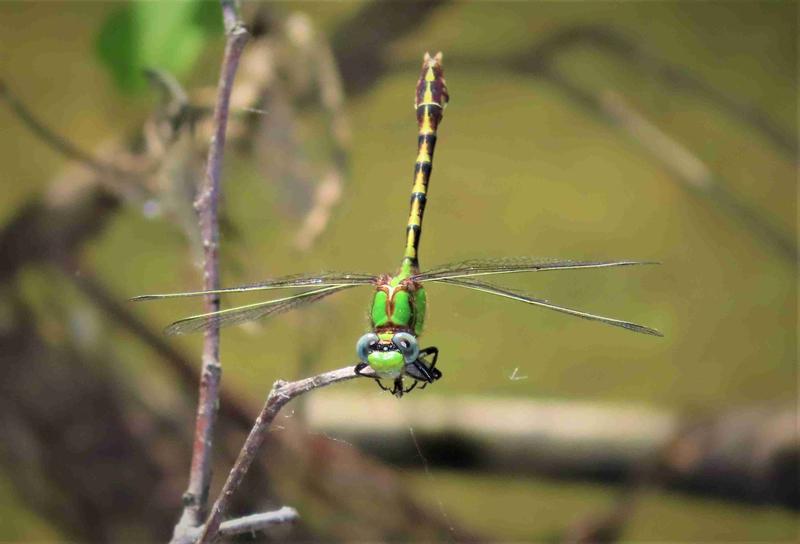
207,202
247,524
281,393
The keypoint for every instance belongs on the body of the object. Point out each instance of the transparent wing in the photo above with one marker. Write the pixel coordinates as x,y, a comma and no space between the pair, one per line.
233,316
486,267
285,282
515,295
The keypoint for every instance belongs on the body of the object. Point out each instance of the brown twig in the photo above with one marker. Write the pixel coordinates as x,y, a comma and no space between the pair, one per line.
281,393
207,202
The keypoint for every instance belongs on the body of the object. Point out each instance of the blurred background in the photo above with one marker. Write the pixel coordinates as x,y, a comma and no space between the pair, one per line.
657,131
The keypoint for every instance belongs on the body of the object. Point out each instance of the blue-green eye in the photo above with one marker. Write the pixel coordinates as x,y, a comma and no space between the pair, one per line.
364,344
408,346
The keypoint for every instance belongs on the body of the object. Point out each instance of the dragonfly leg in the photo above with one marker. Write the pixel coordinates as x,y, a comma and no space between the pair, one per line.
435,372
423,372
397,390
359,368
381,385
412,386
421,369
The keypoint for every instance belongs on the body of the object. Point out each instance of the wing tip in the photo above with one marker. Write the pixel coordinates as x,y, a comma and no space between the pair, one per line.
183,326
645,330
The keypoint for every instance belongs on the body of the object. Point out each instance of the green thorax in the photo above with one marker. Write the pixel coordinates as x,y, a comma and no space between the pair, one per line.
398,305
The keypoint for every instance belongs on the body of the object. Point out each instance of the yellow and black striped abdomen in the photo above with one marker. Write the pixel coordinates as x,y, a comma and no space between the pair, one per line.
431,98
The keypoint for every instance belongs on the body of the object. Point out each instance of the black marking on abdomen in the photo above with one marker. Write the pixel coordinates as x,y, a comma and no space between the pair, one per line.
421,197
424,167
429,139
432,112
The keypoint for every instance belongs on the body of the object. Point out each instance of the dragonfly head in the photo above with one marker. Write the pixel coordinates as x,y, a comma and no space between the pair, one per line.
388,353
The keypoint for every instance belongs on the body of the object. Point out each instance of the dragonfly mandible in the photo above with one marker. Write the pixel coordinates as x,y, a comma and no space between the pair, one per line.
397,314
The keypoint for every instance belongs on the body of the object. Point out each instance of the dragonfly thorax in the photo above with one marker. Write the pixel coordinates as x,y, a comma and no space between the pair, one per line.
398,304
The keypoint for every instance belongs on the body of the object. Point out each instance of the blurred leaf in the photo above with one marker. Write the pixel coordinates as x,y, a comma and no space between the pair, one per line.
166,35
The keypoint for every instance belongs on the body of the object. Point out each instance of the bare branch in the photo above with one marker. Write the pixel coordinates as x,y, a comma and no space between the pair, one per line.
281,393
207,202
247,524
256,522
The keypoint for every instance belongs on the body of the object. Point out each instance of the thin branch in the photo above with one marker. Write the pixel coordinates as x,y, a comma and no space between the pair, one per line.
248,524
207,202
282,392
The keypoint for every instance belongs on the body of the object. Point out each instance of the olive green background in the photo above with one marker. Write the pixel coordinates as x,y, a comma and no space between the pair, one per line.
520,169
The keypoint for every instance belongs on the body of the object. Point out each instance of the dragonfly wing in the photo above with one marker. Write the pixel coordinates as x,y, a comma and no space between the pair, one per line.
241,314
486,267
285,282
522,297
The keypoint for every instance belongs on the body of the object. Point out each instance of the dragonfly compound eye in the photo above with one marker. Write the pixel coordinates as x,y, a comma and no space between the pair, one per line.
408,346
364,344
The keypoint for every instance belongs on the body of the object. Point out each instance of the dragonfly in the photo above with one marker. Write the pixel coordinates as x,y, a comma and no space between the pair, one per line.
391,347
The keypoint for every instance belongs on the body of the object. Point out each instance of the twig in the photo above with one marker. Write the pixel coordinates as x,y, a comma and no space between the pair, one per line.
207,202
248,524
281,393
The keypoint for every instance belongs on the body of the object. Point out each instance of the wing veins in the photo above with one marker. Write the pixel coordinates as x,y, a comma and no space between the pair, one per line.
285,282
513,295
478,267
249,312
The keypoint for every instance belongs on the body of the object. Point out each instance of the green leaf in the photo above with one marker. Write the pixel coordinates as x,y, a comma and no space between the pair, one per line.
166,35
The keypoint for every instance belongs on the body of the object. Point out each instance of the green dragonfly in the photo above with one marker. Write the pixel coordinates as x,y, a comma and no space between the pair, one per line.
397,314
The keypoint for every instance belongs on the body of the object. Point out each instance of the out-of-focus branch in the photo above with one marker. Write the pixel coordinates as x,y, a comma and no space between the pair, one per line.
282,392
744,454
122,176
56,141
207,202
247,524
360,43
689,169
316,49
599,37
94,289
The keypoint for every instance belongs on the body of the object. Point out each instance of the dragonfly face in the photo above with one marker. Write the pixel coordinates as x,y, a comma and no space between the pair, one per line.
393,355
388,353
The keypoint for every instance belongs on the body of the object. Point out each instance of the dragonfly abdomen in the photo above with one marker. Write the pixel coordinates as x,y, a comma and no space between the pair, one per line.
430,100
